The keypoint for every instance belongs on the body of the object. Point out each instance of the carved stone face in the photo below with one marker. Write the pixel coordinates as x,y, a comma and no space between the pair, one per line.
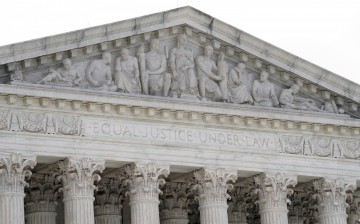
208,51
241,66
264,76
124,54
295,89
67,64
155,46
221,56
182,40
107,58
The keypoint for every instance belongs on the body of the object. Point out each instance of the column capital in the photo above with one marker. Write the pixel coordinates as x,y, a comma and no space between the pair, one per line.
174,201
331,195
354,213
14,171
42,195
144,180
109,196
240,196
213,185
78,176
273,190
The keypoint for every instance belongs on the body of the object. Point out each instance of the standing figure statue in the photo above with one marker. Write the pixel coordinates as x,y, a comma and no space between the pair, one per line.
237,89
182,67
155,79
207,75
223,70
99,75
127,73
288,99
263,91
67,74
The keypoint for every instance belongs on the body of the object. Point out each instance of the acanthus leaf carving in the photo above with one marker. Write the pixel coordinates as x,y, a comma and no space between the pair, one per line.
144,180
213,185
42,194
78,176
109,196
14,170
174,202
331,195
273,190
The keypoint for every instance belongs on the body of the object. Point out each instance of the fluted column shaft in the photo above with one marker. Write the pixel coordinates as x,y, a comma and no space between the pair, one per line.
273,190
108,219
331,197
278,216
212,186
13,172
79,209
41,218
12,208
145,211
78,188
143,183
213,214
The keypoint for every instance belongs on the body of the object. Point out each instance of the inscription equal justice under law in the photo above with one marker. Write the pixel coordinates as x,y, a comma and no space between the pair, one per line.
178,134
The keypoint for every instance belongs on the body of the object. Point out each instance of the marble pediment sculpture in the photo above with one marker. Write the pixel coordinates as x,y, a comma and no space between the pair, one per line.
180,61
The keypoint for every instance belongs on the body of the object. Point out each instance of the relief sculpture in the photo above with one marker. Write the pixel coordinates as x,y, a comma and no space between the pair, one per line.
99,75
288,99
156,80
66,75
178,75
238,90
209,79
183,69
127,75
263,91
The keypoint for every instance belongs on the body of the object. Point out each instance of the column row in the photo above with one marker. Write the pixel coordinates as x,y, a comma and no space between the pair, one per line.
74,180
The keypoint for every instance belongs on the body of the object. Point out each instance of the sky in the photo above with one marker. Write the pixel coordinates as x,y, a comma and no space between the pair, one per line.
324,32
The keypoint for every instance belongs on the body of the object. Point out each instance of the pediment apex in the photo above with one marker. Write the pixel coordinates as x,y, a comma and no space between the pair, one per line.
284,68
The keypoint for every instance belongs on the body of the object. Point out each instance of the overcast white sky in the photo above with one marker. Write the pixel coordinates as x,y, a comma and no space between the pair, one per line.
325,32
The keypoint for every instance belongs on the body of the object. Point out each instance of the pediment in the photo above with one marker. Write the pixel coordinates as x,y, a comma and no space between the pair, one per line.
37,63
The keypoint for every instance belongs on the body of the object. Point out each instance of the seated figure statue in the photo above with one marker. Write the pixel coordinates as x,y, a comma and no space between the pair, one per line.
155,79
288,99
66,75
207,74
127,73
263,91
237,89
98,74
182,68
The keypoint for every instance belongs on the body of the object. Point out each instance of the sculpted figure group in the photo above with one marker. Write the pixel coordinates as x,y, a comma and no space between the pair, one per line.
151,73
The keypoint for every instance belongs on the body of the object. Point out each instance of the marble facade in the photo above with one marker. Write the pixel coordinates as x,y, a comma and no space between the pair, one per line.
174,118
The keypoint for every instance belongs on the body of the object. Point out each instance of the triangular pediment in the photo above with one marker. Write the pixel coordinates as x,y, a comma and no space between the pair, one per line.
36,63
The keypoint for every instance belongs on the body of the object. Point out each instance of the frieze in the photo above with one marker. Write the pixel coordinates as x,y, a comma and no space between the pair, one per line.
34,122
61,124
320,146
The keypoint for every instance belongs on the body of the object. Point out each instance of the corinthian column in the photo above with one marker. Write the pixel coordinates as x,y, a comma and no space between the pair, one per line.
13,172
212,189
273,191
143,183
78,189
174,204
41,200
331,197
108,201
